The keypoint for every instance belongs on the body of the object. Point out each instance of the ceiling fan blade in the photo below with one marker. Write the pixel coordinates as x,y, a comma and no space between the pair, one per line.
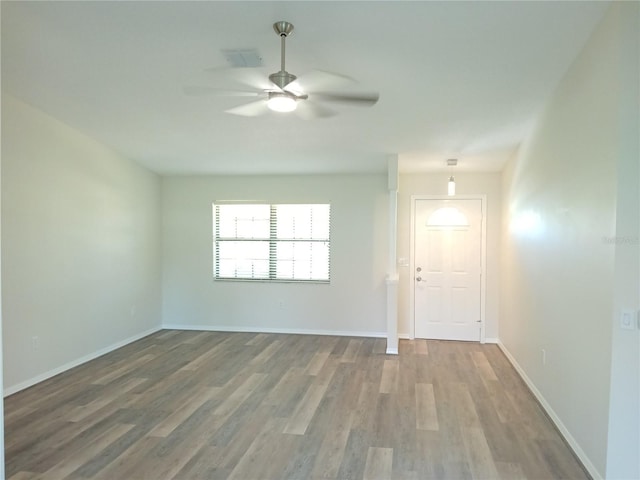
198,91
251,77
317,80
254,78
252,109
309,110
360,99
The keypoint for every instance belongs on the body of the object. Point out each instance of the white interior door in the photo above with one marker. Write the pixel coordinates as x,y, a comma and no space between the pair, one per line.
447,269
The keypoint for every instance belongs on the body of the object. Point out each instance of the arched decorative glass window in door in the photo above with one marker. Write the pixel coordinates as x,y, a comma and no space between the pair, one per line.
447,217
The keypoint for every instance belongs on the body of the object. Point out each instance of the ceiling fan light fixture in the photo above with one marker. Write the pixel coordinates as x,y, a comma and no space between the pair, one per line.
281,103
281,92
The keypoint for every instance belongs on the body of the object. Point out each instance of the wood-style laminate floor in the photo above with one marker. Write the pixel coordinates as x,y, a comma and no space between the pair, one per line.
207,405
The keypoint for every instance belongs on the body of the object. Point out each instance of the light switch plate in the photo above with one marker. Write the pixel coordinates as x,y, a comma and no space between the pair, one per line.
628,320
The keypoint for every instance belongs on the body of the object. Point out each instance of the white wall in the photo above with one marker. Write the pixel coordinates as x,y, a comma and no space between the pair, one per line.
354,301
623,459
80,246
559,273
488,184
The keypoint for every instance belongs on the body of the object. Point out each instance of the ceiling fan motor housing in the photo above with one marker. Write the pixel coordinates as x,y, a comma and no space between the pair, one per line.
282,78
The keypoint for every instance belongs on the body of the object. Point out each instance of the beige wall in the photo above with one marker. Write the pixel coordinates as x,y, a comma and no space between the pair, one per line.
352,304
436,184
559,272
80,246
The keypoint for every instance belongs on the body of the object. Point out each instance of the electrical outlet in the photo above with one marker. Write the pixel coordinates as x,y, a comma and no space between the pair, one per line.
35,342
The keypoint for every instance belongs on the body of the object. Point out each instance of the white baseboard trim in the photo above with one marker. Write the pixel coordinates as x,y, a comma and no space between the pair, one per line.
593,471
294,331
392,351
406,336
74,363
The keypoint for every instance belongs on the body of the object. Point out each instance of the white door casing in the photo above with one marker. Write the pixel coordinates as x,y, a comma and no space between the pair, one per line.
447,262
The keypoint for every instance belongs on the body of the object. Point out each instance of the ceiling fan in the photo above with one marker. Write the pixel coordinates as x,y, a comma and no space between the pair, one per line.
284,92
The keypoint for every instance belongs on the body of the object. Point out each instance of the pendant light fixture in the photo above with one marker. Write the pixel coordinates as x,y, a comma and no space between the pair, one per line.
451,185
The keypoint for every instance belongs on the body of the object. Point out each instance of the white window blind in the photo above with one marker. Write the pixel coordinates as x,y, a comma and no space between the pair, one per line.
288,242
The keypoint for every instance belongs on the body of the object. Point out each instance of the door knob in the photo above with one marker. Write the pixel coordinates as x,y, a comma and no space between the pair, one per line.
418,279
419,269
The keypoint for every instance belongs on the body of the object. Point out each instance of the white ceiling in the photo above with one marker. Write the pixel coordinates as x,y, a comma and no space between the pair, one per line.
456,79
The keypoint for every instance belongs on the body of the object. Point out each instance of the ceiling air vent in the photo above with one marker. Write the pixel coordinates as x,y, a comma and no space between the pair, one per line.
243,58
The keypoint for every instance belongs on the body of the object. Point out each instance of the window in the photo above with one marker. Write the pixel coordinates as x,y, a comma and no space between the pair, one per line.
271,242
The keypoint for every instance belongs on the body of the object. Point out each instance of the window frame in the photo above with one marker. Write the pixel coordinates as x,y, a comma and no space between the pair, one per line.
273,242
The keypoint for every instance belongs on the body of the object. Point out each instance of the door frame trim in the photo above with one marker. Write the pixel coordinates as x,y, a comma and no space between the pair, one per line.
483,258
